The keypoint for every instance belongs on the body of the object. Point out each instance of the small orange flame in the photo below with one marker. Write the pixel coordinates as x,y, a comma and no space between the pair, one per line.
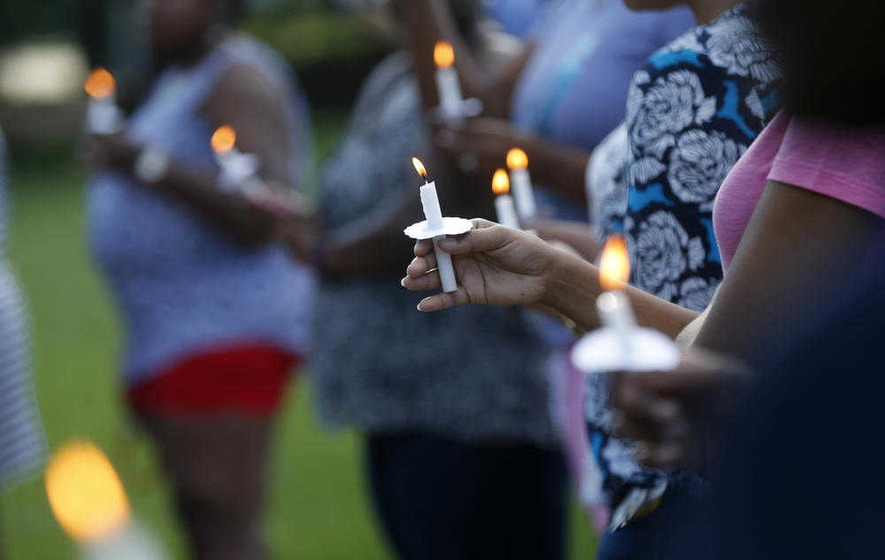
419,167
500,182
443,54
517,159
224,139
100,84
614,264
85,493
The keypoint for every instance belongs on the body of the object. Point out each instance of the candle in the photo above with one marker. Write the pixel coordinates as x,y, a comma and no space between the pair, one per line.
102,115
448,85
433,214
613,306
89,502
504,205
238,170
518,163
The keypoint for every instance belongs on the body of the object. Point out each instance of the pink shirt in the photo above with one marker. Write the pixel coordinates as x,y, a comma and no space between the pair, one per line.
839,161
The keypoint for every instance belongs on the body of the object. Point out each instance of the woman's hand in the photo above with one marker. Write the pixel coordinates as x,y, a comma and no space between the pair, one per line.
673,415
495,265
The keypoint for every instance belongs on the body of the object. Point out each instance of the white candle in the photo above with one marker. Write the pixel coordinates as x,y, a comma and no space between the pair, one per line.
102,114
433,214
521,182
237,170
505,208
90,504
448,86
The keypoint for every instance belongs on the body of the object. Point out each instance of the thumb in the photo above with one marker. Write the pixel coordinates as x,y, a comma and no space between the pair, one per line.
478,240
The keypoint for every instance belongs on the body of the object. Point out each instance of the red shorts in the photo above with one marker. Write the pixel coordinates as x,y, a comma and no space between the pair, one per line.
244,378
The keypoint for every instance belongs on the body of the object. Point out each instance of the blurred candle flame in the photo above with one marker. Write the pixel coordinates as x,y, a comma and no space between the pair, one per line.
500,182
100,84
419,167
85,493
614,264
224,139
443,54
517,159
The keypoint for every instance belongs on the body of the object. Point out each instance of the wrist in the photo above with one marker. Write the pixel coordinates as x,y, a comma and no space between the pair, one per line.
571,288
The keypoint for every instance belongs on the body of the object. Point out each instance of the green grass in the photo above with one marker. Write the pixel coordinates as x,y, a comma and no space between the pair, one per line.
317,500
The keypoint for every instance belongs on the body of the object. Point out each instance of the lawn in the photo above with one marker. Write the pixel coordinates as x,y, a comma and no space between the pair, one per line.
317,508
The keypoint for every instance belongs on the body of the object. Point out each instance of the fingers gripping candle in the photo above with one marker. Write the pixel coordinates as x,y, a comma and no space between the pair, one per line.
518,164
102,115
448,85
433,214
504,206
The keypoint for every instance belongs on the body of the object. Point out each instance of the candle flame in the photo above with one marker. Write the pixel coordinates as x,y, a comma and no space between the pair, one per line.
100,84
224,139
500,182
614,264
443,54
85,493
517,159
419,167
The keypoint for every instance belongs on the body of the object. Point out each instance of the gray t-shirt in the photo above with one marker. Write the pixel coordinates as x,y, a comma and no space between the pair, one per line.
472,373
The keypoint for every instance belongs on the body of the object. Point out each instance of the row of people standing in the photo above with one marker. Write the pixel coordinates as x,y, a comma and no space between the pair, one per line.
455,407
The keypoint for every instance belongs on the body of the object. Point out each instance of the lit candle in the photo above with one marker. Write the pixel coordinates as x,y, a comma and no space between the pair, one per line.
448,86
504,205
237,169
518,164
433,214
89,502
621,344
102,115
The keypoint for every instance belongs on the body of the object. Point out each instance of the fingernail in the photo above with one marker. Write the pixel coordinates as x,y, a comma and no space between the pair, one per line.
448,243
403,282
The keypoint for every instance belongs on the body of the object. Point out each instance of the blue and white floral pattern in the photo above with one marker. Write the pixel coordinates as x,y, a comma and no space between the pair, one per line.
692,111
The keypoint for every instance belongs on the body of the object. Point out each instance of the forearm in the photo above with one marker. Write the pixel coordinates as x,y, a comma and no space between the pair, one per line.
197,187
573,287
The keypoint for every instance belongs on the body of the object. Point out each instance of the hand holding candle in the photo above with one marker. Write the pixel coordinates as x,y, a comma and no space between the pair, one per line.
102,115
504,206
437,227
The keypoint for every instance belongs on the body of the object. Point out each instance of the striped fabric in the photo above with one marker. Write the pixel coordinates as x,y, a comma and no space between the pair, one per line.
22,443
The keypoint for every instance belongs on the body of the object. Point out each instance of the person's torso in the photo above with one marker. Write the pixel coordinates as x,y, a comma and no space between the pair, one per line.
380,365
181,282
693,110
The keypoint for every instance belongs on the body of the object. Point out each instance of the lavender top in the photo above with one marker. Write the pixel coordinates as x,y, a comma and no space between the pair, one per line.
183,286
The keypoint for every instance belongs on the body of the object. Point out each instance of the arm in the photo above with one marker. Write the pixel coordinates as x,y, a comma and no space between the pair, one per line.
795,254
502,266
245,100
